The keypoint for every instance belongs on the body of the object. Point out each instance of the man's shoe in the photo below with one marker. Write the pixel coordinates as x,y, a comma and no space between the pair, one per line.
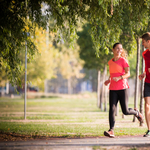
147,134
109,133
139,116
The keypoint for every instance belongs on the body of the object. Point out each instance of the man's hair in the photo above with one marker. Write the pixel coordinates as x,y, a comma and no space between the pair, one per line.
146,36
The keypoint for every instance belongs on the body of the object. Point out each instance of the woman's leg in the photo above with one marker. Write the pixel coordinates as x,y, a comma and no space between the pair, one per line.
113,100
123,98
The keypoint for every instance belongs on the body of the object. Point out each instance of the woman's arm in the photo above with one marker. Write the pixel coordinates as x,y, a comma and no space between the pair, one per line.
107,81
126,75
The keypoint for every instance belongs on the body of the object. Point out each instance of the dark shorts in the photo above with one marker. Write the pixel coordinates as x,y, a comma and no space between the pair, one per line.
146,89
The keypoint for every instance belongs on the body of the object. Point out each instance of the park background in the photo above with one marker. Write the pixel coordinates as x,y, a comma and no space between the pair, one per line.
67,59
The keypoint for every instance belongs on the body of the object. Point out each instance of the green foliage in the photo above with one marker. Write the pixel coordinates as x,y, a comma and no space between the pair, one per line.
134,23
12,37
132,63
44,63
69,63
110,21
87,51
3,77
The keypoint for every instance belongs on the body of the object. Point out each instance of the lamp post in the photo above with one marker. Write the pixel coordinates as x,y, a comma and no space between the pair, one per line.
25,84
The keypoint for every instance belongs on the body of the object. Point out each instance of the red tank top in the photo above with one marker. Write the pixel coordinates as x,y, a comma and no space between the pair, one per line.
146,56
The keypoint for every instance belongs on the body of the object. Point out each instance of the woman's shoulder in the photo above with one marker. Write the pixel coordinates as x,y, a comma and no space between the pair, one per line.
110,61
123,59
124,62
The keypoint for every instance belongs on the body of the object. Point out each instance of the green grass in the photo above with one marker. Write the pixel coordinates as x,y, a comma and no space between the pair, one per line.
62,117
63,130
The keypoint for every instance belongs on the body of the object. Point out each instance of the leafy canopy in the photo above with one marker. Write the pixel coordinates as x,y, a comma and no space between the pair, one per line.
109,20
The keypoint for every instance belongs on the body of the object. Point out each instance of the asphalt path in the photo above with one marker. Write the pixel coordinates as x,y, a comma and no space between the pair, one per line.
100,143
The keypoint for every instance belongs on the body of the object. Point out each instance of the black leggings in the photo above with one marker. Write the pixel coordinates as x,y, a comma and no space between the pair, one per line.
122,96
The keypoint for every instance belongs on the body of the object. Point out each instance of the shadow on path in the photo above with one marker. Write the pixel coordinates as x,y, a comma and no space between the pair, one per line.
81,144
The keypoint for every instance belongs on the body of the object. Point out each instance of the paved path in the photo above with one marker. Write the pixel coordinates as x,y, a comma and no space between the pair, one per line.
101,143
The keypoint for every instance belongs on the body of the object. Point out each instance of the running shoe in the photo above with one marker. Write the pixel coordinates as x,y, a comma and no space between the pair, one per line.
139,116
109,133
147,134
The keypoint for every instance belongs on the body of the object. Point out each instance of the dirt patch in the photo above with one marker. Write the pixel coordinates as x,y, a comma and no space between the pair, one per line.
13,137
19,137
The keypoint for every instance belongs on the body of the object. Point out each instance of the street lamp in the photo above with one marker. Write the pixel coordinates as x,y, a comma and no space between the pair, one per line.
25,84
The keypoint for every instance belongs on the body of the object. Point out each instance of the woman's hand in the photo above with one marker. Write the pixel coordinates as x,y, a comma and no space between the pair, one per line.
117,78
149,70
107,82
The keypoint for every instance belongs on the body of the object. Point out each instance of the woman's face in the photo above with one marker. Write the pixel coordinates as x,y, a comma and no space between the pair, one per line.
117,50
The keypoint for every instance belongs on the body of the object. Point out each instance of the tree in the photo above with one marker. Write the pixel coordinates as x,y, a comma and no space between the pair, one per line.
105,17
87,53
142,87
70,65
3,81
44,63
133,25
13,36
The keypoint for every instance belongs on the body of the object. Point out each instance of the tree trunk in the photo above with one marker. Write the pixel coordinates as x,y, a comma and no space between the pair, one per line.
142,87
7,87
103,88
2,93
105,95
46,86
137,78
98,88
69,86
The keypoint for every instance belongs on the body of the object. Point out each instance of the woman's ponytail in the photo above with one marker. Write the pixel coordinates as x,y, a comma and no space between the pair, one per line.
124,54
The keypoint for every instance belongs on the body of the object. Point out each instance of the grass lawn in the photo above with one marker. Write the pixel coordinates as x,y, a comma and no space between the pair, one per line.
62,117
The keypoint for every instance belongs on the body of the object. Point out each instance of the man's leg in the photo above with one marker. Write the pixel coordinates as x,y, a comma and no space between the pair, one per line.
147,107
147,111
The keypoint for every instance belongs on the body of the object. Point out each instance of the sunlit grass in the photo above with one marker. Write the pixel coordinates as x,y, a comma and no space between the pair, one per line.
62,117
70,130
